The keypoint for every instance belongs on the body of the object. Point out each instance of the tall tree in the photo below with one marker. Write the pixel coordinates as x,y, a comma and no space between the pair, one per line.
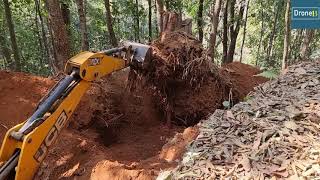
83,25
274,30
59,35
112,35
65,9
160,8
215,23
225,32
13,39
261,33
234,30
305,48
43,31
5,51
286,37
150,20
155,13
39,38
295,45
200,19
244,29
137,19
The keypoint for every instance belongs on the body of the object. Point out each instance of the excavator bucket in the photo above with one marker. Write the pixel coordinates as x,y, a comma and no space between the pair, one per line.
141,52
140,55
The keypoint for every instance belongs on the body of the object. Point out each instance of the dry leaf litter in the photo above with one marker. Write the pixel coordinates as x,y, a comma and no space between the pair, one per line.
275,134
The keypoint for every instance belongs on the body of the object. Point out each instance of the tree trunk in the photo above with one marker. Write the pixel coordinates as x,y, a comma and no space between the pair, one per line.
66,16
215,23
137,29
13,39
200,19
51,44
83,25
59,34
234,31
171,22
286,37
294,48
261,34
160,7
244,29
305,49
225,32
5,51
273,32
38,35
112,36
156,23
150,20
43,31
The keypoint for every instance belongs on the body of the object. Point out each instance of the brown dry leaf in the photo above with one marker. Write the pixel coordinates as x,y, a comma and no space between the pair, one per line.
245,162
257,141
294,177
267,134
300,71
239,143
230,115
284,173
314,169
291,125
230,173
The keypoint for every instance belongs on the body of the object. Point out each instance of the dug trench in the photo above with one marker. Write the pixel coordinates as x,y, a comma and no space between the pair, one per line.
120,133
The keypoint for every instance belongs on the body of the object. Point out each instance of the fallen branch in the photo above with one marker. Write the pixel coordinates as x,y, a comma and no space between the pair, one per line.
4,126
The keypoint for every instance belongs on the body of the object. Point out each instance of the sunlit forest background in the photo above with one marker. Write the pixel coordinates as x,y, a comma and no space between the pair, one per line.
29,37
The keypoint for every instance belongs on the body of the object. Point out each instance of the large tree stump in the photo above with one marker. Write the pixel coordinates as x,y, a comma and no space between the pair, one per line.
173,22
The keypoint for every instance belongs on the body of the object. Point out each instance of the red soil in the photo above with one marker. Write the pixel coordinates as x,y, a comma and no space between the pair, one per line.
242,76
19,95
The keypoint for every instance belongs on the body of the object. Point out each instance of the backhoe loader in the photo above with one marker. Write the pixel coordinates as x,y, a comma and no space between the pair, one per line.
26,145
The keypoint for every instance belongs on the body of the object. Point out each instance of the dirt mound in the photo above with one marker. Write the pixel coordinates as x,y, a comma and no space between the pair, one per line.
242,76
19,95
186,86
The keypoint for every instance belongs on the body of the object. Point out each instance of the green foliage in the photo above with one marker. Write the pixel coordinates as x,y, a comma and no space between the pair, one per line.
35,60
247,98
226,104
270,74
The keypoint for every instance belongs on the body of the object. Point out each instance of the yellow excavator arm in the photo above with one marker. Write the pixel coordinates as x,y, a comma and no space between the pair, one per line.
26,145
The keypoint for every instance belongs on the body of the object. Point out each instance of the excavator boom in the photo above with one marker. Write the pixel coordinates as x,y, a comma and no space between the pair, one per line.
26,145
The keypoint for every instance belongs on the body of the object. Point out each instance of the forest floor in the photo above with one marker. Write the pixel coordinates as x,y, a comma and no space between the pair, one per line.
274,134
113,134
